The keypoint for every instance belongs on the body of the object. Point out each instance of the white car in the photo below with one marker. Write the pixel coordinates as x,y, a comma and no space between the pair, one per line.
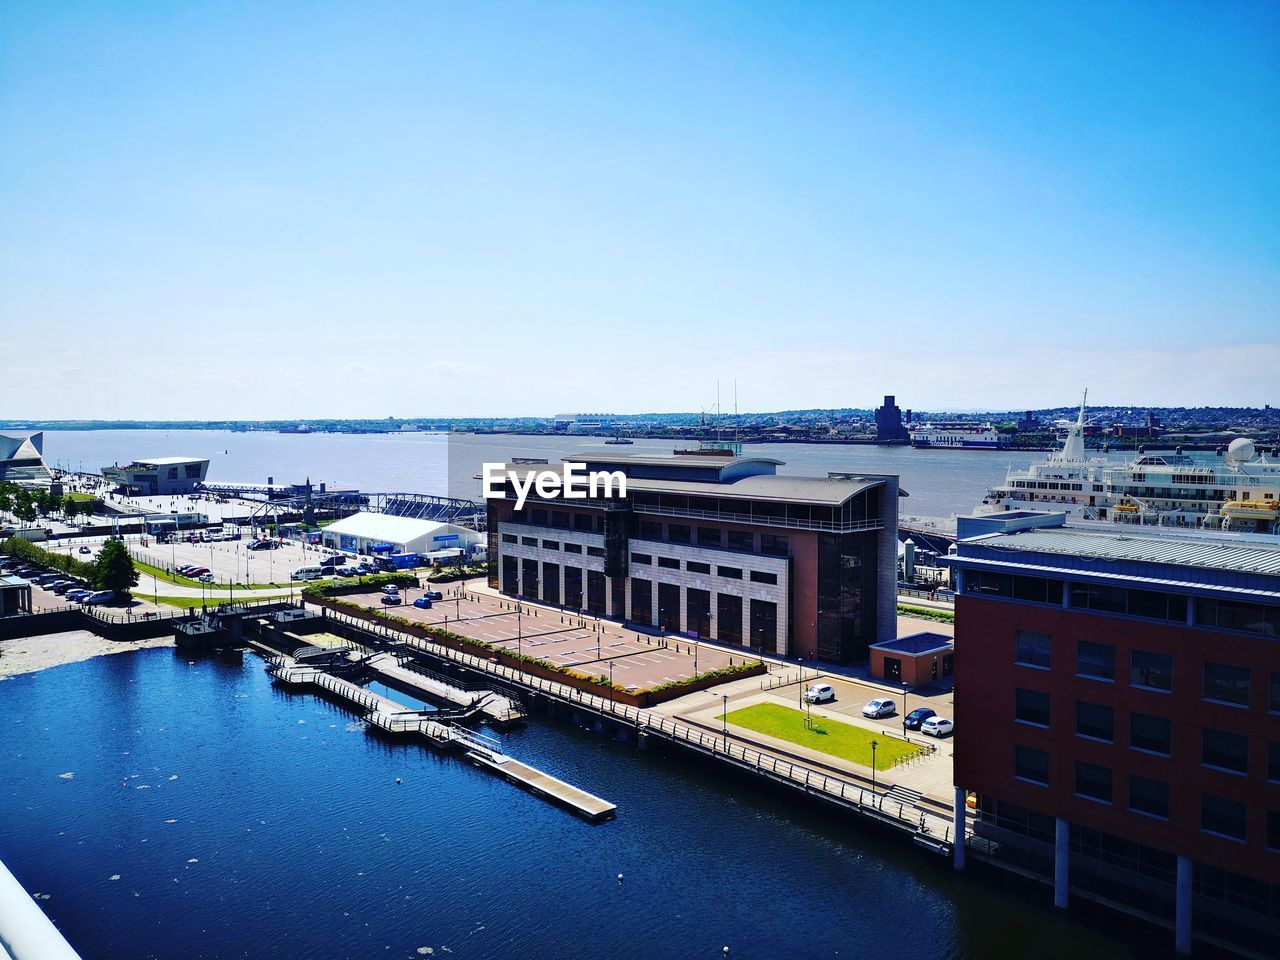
937,727
820,693
880,707
391,590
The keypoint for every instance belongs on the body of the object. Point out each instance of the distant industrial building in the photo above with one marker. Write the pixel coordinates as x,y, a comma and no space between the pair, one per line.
585,422
1119,702
715,546
22,460
889,425
162,476
383,533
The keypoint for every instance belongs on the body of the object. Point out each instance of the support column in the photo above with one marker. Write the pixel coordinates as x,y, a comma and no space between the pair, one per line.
1182,909
957,848
1061,863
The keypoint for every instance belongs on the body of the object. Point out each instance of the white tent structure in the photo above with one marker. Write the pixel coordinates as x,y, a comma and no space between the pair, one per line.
370,532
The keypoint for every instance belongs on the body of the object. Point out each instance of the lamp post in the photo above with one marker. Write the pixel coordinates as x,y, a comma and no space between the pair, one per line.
611,679
724,721
800,664
874,744
904,708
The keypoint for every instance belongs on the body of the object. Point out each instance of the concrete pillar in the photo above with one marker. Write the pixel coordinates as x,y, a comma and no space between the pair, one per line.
957,848
1182,909
1061,864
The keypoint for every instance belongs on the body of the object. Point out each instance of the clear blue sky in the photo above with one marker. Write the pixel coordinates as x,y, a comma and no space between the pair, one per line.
370,209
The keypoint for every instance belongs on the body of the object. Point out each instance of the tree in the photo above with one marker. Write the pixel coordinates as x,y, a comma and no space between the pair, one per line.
113,570
24,508
70,506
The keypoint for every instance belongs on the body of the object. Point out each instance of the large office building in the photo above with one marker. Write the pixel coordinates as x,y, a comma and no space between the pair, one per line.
1118,715
22,460
160,476
889,425
713,545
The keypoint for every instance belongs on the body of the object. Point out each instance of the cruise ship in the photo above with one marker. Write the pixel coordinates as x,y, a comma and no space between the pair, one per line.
956,436
1239,493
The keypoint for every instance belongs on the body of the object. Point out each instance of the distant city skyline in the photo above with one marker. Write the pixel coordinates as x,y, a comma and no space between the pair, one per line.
290,212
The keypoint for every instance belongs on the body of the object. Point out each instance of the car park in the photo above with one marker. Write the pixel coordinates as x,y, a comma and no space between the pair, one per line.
99,596
820,693
937,727
391,599
880,707
423,603
915,718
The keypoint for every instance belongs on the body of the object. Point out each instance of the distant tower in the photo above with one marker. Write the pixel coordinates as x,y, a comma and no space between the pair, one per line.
889,428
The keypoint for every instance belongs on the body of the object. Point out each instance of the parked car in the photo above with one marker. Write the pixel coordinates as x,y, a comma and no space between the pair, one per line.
85,550
880,707
423,603
61,586
937,727
363,569
98,596
433,595
391,599
206,578
184,568
820,693
196,572
918,716
78,594
391,590
49,579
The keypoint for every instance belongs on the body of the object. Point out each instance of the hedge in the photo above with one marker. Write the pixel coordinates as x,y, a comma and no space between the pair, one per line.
333,588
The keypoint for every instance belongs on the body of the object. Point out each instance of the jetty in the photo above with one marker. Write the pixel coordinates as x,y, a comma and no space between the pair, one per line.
441,729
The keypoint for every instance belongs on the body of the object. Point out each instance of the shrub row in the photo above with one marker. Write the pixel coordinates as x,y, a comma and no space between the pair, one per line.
333,588
62,562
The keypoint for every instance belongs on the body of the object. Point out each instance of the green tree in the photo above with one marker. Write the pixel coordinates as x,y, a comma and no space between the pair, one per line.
24,508
70,506
113,570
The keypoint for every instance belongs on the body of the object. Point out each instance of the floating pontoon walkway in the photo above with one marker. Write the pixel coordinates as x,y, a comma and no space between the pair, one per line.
388,716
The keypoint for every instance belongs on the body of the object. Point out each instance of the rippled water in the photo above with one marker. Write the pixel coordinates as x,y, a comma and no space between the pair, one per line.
243,821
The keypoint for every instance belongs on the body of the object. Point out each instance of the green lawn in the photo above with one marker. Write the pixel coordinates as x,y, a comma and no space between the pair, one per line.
180,581
828,736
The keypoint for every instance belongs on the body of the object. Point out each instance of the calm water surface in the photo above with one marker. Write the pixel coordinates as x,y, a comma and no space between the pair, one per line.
940,482
290,838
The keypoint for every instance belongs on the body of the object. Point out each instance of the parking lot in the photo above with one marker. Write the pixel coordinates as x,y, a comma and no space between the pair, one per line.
591,647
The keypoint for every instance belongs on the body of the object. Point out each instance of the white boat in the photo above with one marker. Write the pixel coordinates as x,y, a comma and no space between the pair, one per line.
1240,492
956,436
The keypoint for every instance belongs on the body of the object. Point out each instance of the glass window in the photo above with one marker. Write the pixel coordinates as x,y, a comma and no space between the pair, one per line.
1037,590
764,625
1273,829
641,601
1031,649
1148,796
1031,764
529,541
1031,706
642,558
1095,660
1093,781
550,544
1273,761
679,533
728,618
1273,696
693,566
649,530
774,545
560,519
538,517
732,573
708,536
670,563
583,521
758,576
742,540
1222,816
1150,733
1095,720
510,538
1234,615
1151,670
573,548
1226,683
1227,751
595,551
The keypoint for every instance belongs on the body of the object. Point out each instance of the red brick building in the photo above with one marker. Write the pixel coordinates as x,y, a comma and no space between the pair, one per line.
1118,707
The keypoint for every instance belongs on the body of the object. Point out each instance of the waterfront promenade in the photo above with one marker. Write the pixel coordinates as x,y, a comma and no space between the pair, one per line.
918,790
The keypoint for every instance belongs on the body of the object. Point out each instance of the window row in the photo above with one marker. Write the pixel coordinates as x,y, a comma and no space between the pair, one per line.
695,566
741,540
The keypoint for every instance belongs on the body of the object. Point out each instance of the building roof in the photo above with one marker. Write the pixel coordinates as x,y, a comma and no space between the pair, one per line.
821,490
692,460
386,528
168,461
1257,554
10,581
917,643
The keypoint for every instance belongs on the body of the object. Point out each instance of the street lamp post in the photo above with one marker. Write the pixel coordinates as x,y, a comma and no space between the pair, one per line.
724,721
800,664
874,744
610,679
904,708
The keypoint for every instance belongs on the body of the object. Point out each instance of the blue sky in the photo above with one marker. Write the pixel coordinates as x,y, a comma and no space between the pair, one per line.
373,209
